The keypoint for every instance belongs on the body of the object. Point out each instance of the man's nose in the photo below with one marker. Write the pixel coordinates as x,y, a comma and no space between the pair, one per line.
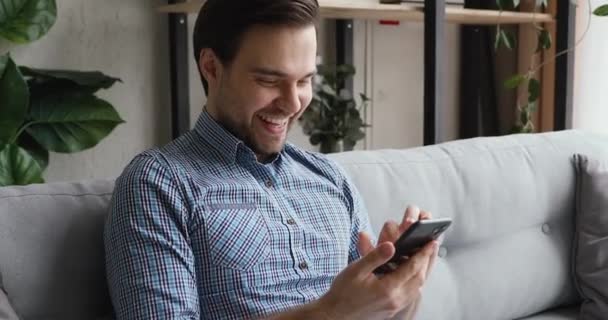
290,99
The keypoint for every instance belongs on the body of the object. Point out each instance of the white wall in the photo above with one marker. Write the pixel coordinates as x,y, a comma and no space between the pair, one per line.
591,71
125,39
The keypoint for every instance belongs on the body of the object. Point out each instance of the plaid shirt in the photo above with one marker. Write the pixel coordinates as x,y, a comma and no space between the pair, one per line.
199,229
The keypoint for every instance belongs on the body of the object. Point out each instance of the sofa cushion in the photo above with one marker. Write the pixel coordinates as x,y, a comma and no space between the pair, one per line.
591,236
508,252
6,310
51,249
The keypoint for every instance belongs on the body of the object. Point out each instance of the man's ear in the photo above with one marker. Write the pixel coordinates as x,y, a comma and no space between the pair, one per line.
210,66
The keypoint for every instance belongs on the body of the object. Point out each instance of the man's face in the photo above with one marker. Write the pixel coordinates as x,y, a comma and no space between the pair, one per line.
261,94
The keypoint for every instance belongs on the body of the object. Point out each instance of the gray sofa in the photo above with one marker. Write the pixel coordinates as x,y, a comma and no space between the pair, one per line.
507,255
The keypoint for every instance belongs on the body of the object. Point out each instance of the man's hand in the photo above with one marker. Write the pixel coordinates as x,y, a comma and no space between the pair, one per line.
391,231
357,293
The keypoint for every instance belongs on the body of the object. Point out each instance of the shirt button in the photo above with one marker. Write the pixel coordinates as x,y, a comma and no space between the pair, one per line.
291,221
303,265
269,183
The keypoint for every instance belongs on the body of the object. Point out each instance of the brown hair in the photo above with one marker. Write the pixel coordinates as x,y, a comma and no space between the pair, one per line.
221,24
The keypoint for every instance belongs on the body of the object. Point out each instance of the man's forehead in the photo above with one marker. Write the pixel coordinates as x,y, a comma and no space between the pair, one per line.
279,50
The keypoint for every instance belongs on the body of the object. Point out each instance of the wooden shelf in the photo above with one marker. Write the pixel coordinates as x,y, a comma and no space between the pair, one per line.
373,10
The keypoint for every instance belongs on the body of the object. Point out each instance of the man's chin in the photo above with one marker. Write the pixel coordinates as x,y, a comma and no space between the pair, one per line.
268,151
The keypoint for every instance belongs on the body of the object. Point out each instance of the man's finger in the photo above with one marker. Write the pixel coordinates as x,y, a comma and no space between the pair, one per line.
424,215
390,232
432,261
415,264
365,244
374,259
412,214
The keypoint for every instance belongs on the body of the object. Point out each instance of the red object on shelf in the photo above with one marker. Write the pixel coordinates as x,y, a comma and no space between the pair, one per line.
389,22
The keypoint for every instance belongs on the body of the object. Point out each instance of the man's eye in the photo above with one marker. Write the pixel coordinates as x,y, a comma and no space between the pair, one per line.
304,82
268,82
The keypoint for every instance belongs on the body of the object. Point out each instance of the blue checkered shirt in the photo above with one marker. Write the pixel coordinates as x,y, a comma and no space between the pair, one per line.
198,229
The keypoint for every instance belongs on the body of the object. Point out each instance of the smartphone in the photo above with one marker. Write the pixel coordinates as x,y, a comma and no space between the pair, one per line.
412,240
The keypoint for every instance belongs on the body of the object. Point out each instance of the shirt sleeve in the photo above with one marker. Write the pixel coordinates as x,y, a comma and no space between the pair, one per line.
149,263
359,218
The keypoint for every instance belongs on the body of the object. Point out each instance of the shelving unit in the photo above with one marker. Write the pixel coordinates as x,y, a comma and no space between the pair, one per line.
434,14
373,10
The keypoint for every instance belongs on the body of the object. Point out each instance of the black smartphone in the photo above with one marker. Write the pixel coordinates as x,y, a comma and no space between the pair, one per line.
412,240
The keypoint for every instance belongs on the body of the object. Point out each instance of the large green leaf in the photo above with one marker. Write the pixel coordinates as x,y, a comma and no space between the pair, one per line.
40,154
601,11
23,21
18,167
91,80
14,99
71,122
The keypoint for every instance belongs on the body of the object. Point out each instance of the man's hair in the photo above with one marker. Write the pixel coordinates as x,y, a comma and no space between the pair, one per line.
221,24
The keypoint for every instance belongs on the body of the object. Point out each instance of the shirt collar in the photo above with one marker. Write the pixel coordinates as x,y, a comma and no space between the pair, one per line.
224,141
217,136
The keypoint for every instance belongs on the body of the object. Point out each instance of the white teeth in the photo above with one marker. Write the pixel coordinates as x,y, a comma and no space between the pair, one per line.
275,121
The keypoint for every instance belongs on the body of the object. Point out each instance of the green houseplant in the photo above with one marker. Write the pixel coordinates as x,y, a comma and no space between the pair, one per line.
44,110
334,118
527,105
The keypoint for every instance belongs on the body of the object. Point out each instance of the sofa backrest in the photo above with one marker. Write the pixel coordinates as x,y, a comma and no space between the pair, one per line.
51,249
507,254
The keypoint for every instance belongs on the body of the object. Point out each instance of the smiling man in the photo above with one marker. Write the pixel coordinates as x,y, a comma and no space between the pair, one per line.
231,222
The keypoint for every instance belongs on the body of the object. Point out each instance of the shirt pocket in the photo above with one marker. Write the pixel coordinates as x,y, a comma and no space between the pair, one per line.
237,235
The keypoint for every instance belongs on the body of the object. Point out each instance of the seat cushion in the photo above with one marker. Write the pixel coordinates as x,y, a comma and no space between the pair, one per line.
6,310
51,249
591,236
570,313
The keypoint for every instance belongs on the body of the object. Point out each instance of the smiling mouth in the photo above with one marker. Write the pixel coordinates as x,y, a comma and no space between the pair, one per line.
274,124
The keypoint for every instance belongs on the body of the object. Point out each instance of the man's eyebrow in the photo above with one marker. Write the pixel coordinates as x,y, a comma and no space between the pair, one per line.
276,73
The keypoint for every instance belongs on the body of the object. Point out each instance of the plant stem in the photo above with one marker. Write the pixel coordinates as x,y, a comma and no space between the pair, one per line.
578,42
533,70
